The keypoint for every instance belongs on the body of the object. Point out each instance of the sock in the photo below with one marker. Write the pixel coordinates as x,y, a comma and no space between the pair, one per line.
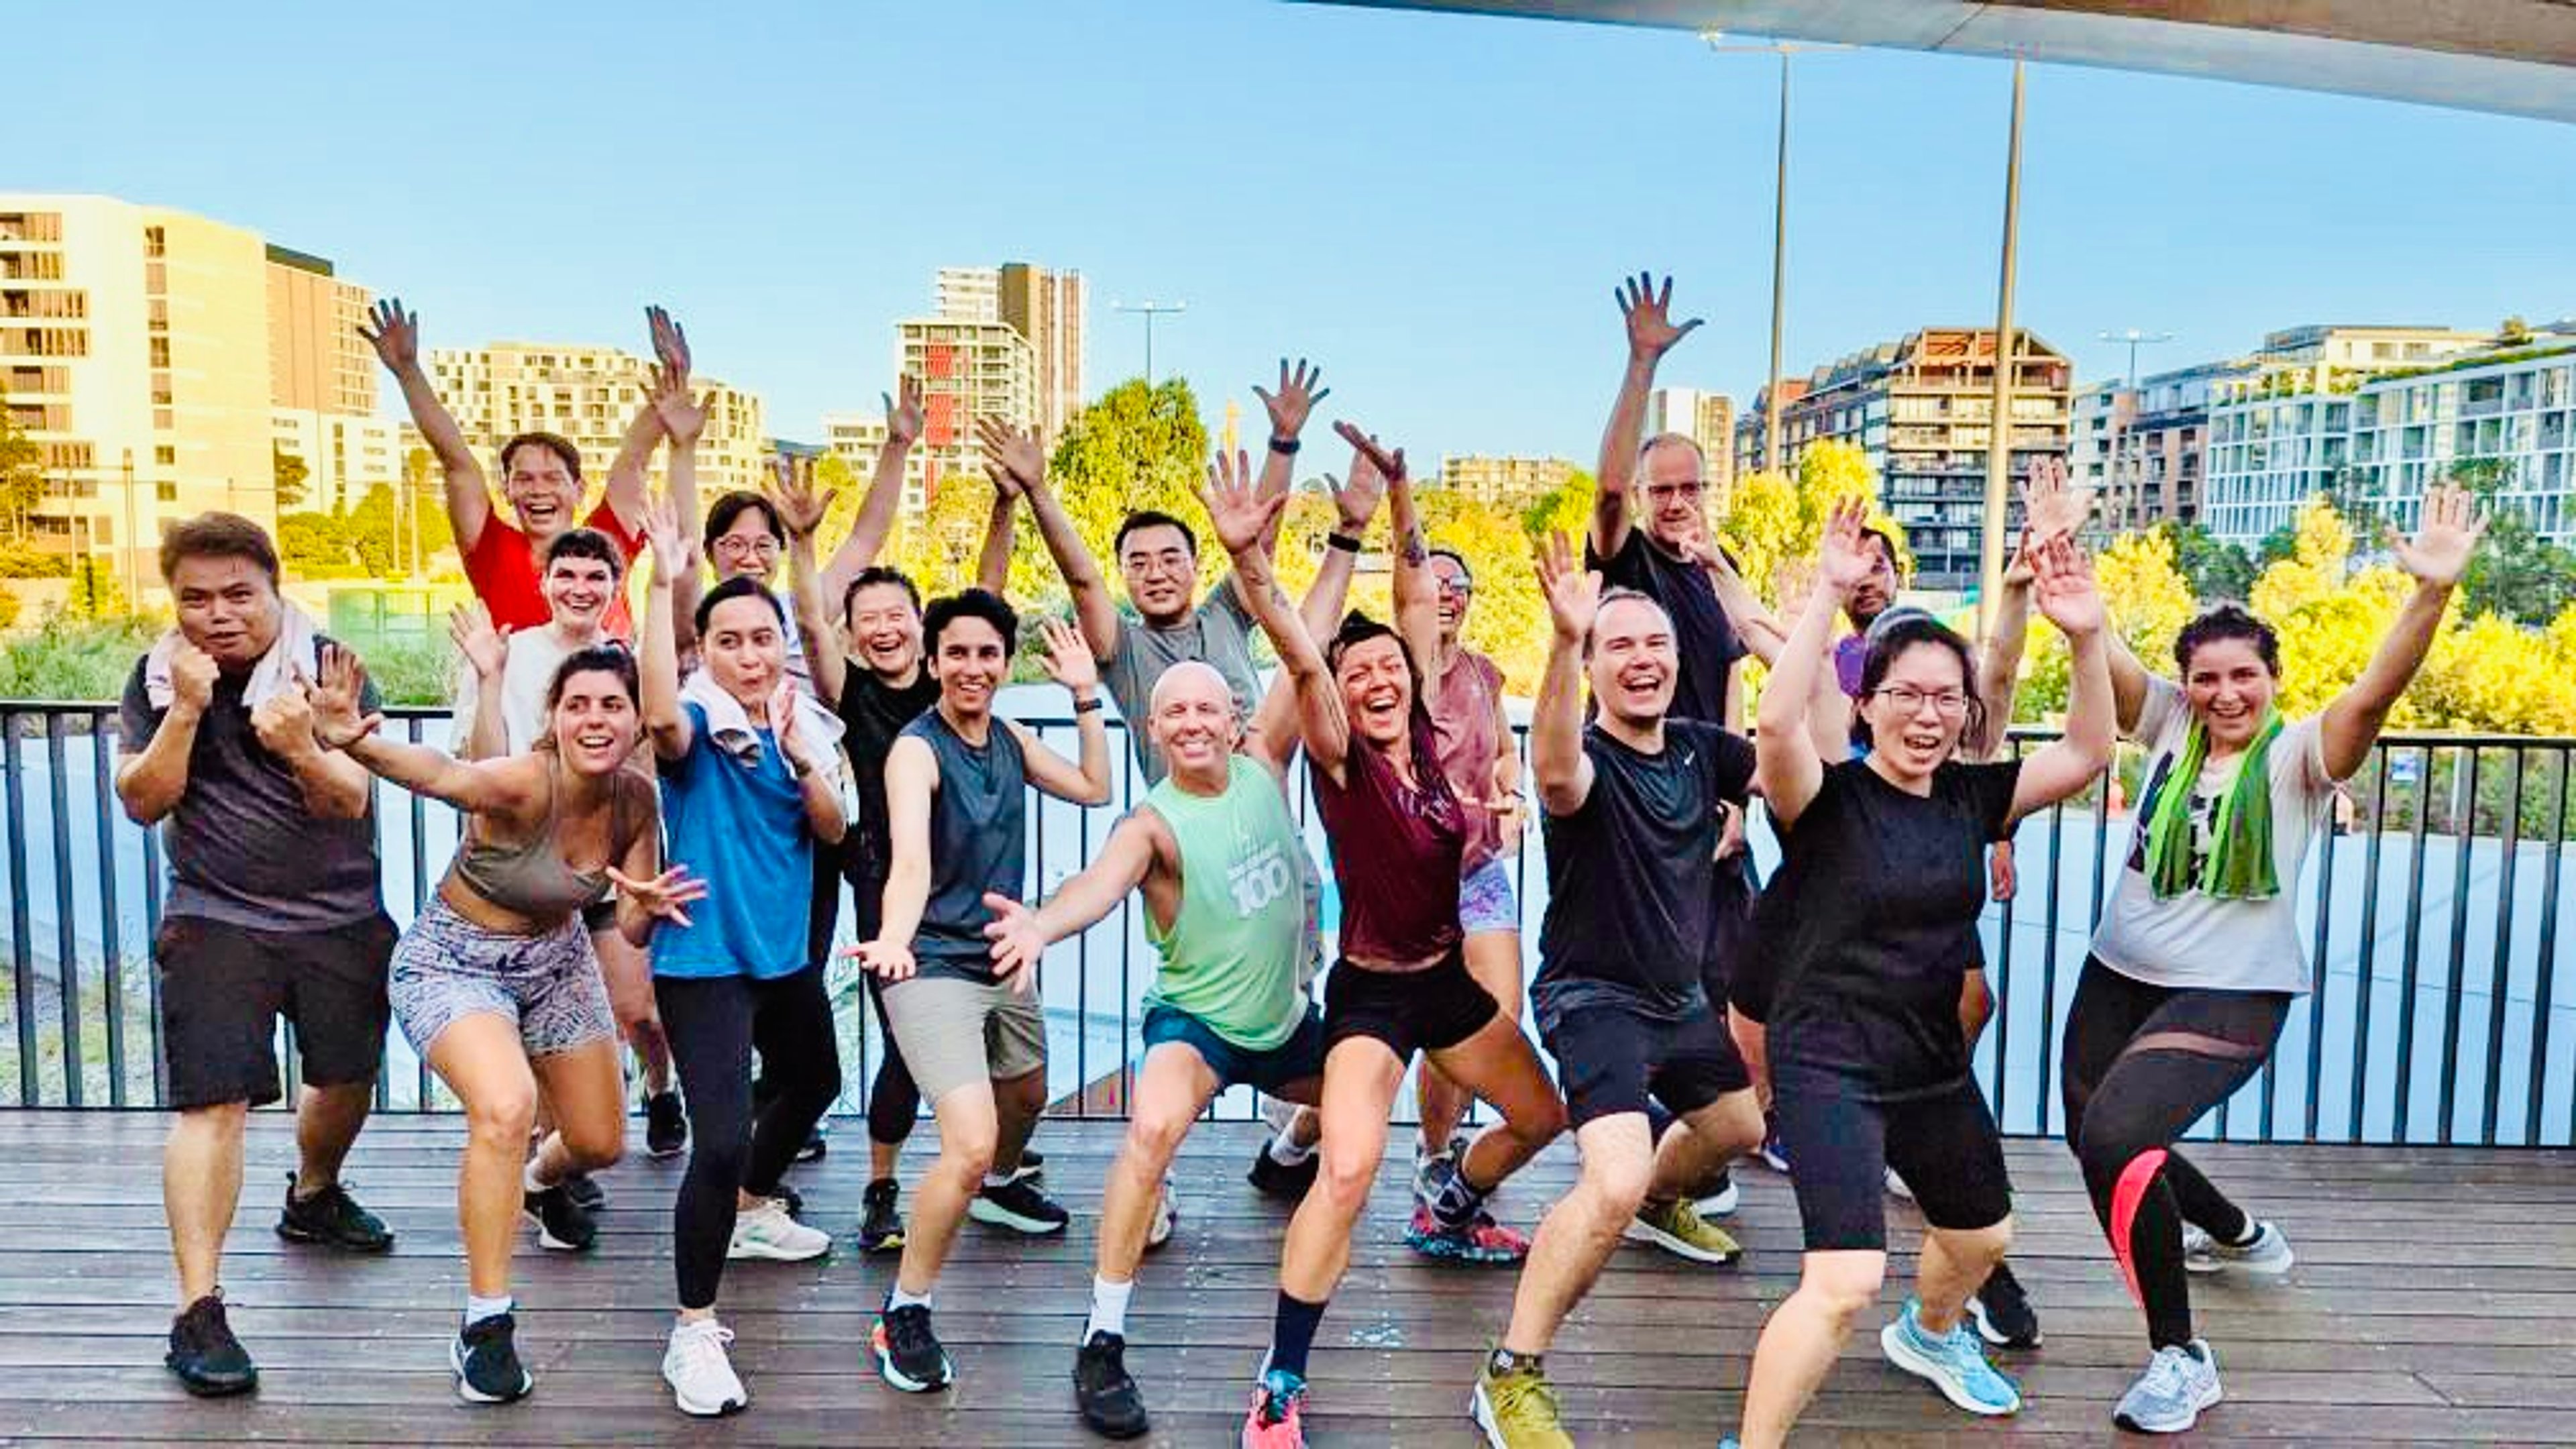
1287,1153
1292,1333
528,1177
997,1179
1454,1203
2253,1232
897,1298
1503,1362
1108,1308
477,1308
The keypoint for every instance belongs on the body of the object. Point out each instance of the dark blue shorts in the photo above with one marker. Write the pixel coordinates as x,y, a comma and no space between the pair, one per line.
1300,1058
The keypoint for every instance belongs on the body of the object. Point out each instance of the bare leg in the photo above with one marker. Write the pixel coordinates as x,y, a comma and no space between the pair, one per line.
1018,1102
1494,959
628,971
1499,1065
1580,1233
1360,1078
589,1095
1172,1089
1704,1141
1804,1336
201,1178
967,1132
1955,1264
480,1059
327,1120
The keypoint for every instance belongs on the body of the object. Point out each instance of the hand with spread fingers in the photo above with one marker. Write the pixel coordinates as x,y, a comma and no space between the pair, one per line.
333,698
1573,594
1649,315
664,897
2445,540
1012,458
1298,393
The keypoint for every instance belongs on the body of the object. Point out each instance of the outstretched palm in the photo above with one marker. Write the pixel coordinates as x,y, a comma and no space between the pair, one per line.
1649,314
487,649
334,696
393,333
903,411
1069,660
682,416
1235,505
2067,594
670,343
2051,507
1842,563
662,533
1573,595
1298,393
1011,457
1372,453
663,897
800,508
2445,540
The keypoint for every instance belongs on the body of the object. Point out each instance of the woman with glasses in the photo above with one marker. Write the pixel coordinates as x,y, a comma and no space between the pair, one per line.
1853,1007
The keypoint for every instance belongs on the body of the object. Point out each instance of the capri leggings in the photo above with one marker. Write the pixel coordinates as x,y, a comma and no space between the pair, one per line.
2142,1064
894,1101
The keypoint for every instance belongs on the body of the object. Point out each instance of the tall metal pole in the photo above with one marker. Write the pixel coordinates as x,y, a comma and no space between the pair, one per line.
1149,310
1990,556
133,565
1779,276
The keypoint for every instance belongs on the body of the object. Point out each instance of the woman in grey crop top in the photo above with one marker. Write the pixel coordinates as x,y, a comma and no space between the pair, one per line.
496,984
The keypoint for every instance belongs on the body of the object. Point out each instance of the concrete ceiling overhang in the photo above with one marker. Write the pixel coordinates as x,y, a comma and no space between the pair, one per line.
2513,57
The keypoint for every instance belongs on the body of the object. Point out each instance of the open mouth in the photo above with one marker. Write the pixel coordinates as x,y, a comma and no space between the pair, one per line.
1921,741
1641,681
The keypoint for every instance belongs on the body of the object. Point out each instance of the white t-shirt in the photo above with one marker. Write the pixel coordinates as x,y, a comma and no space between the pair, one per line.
2200,941
534,656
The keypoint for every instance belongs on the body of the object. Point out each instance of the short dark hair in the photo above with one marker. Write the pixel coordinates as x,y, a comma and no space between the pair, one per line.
1152,518
740,586
1620,594
217,535
1887,645
587,543
1466,570
555,443
971,604
1886,541
2228,621
873,575
608,658
729,509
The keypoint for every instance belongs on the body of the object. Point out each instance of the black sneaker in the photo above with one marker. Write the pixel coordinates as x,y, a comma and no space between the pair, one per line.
1276,1179
2003,1312
666,1127
908,1353
814,1147
209,1361
1108,1398
1032,1168
585,1190
562,1224
333,1219
487,1364
881,1226
1019,1206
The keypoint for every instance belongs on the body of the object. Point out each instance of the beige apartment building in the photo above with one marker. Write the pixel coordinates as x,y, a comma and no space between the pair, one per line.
1503,482
968,369
587,394
1046,308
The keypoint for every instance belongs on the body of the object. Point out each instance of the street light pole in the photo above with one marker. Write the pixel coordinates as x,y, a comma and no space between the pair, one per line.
1716,41
1149,310
2125,508
1990,556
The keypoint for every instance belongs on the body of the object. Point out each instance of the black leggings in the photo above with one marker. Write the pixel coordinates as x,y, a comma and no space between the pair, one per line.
2142,1064
714,1023
894,1102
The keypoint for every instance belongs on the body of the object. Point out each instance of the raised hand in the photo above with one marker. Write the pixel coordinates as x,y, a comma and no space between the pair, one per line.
1017,941
1648,313
782,722
2050,506
1792,580
1842,562
670,344
1012,458
664,897
393,333
1370,451
1356,501
683,416
791,492
2066,592
333,700
1573,595
1298,393
904,417
192,678
2445,540
672,552
1068,660
1235,503
284,723
890,960
469,627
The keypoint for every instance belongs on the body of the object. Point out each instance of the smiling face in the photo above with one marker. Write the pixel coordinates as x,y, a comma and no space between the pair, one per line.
1634,662
747,548
1918,711
595,722
227,606
578,591
1161,572
1377,690
1192,720
543,491
745,649
1457,592
970,661
885,630
2230,690
1671,480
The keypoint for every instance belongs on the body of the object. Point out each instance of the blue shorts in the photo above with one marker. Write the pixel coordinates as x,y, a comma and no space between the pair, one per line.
1485,900
1300,1058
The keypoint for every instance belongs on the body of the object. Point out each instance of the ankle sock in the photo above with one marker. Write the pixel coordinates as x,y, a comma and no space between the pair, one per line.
1108,1308
897,1298
528,1178
1454,1201
1287,1153
477,1308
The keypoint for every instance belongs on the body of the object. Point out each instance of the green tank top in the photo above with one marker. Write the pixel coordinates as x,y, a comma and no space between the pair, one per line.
1230,958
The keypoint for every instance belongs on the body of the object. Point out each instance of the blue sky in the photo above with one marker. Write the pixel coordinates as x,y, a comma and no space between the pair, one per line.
1434,207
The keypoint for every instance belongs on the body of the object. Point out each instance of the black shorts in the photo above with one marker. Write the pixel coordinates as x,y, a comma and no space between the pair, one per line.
1611,1057
1840,1145
1428,1010
223,988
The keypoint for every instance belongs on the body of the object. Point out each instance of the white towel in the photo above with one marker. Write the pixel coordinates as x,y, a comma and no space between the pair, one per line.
729,724
292,656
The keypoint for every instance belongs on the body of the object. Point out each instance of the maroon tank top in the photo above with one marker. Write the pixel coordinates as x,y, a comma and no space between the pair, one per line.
1396,855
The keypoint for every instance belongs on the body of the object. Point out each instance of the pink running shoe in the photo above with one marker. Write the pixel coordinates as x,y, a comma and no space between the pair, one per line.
1481,1241
1276,1420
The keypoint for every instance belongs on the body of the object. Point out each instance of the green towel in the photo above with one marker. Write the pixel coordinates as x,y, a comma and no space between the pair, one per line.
2239,867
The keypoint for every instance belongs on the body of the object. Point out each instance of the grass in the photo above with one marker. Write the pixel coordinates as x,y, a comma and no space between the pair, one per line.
89,659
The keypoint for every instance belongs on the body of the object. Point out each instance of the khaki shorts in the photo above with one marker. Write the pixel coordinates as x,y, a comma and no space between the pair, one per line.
955,1033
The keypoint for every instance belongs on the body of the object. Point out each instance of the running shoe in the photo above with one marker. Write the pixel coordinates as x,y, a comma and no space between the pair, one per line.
332,1219
814,1146
1273,1178
1032,1168
1678,1229
1896,1187
487,1364
769,1232
1019,1206
795,1201
2268,1256
2168,1397
1482,1240
562,1224
666,1127
1774,1155
908,1353
2002,1311
1517,1410
700,1375
1102,1389
1955,1363
1276,1420
1719,1196
1167,1216
1427,1167
881,1222
207,1359
585,1190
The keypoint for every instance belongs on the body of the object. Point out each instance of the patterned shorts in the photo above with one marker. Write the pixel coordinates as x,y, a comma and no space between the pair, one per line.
1485,901
549,986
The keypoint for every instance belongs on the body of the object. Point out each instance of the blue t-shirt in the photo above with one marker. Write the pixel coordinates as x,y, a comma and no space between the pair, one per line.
739,825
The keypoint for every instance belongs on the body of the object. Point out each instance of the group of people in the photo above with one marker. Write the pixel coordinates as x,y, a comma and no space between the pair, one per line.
633,792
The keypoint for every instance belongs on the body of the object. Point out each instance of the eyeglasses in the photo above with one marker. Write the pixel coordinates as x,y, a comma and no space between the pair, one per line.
734,545
1461,587
1947,703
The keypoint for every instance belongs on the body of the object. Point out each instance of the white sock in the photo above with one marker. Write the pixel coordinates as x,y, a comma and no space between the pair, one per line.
2253,1234
1287,1153
528,1178
897,1298
477,1308
997,1179
1108,1308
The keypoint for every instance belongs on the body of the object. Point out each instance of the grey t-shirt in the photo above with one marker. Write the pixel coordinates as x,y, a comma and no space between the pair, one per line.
2200,941
243,849
1218,633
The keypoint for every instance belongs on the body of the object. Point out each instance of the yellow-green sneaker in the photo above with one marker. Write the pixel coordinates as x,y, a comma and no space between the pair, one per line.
1678,1229
1516,1408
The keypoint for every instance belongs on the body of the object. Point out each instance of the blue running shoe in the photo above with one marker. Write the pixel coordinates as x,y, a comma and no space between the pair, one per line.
1955,1363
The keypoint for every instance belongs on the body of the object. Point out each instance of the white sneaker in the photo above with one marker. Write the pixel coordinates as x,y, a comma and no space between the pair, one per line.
1721,1203
701,1377
768,1232
2168,1397
2268,1256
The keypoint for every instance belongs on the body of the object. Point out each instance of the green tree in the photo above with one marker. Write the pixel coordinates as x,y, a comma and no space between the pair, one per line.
2518,575
2215,570
290,474
1137,447
311,542
22,474
9,608
1565,508
371,531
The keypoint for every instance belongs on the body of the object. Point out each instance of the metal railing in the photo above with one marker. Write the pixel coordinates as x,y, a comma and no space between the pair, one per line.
2430,917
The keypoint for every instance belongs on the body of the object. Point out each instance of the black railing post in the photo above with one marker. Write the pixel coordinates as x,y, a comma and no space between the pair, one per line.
2405,1073
111,929
58,799
2455,1000
22,925
2500,974
2545,974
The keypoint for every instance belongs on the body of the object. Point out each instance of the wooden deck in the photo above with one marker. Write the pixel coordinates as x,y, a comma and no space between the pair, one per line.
2434,1302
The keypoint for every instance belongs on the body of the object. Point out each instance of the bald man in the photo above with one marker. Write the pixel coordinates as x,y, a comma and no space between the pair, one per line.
1215,852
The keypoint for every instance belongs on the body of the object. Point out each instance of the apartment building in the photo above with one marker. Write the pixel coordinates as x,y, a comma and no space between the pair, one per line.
588,394
968,369
317,361
2143,450
1751,448
1047,309
2512,406
344,455
1503,482
1706,418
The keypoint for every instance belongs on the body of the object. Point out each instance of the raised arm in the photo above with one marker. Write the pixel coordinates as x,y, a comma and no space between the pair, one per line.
912,775
1761,631
884,498
1240,513
627,488
1416,591
150,781
993,560
1999,662
658,662
1557,759
1651,333
1021,934
395,335
486,652
818,782
2437,556
801,512
1354,504
341,723
683,417
2071,761
1786,760
1299,391
1016,454
1069,663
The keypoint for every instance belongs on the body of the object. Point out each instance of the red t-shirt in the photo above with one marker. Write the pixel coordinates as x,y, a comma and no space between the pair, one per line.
502,567
1396,853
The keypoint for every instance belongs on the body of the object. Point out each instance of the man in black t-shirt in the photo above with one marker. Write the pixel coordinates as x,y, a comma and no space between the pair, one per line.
1631,824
